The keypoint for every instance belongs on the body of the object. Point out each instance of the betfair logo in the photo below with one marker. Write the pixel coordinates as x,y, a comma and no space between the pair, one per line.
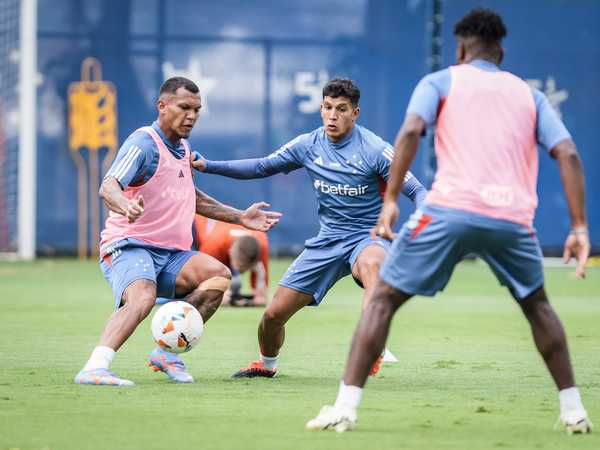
340,189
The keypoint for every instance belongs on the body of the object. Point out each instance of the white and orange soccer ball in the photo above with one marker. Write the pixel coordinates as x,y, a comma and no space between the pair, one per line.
177,327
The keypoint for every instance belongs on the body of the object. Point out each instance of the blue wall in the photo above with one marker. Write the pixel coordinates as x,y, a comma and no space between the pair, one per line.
260,66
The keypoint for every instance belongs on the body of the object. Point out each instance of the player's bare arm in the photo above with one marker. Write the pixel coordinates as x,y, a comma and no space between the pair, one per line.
253,218
406,145
112,194
577,244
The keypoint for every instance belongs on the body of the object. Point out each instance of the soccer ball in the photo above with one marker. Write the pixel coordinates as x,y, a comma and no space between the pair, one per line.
177,327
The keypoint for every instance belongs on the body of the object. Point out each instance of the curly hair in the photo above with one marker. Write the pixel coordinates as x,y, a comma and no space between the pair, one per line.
484,24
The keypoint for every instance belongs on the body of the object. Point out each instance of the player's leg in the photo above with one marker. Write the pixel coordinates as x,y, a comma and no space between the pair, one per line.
271,331
371,333
366,261
516,259
138,300
202,281
198,279
420,261
306,282
131,273
366,269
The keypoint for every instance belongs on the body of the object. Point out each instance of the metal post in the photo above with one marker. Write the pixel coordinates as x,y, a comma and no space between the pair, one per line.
28,129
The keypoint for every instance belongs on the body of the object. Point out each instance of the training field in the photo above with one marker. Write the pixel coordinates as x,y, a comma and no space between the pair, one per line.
468,377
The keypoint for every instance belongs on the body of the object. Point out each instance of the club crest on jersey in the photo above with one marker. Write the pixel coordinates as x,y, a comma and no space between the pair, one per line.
340,189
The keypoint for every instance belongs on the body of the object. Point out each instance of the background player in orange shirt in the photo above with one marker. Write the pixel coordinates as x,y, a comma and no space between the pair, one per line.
239,249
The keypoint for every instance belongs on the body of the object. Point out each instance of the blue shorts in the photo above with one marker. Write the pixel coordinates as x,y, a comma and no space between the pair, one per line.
433,241
324,261
130,260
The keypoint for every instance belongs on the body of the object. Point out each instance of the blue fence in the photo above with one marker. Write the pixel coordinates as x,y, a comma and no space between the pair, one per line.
260,66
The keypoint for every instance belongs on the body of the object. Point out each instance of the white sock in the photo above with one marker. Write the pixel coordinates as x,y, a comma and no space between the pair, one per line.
270,362
570,400
100,359
348,396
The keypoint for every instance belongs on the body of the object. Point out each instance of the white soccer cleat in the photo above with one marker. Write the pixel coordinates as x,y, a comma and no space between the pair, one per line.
576,422
332,418
388,357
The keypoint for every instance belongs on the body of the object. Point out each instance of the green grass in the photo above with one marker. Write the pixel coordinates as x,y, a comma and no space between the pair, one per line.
468,377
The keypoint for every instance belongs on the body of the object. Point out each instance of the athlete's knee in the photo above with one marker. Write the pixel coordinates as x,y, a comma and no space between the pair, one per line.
273,318
370,265
536,305
218,279
141,303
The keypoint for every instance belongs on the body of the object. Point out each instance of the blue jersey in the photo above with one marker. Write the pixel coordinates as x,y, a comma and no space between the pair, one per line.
433,89
348,176
137,159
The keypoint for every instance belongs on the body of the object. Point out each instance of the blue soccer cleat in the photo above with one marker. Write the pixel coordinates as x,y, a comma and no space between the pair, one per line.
101,377
170,364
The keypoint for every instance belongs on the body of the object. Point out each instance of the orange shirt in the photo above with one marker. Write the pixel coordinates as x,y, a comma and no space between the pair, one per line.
215,238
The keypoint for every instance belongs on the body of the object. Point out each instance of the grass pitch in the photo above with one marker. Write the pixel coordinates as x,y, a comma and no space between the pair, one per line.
468,378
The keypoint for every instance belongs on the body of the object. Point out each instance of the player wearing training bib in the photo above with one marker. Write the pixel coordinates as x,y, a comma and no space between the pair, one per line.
145,246
349,167
482,201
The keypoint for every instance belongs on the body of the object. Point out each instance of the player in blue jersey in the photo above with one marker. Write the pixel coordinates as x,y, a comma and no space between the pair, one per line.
349,166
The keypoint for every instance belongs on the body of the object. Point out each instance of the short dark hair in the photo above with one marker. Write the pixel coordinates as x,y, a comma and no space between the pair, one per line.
484,24
342,87
174,83
249,249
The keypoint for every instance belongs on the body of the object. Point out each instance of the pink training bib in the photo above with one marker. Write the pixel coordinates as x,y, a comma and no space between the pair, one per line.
486,147
169,204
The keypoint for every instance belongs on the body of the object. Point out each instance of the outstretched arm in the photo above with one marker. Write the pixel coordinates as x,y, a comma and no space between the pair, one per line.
246,169
571,173
254,218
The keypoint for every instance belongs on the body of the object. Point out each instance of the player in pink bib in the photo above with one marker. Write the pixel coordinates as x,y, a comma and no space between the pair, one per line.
482,202
145,246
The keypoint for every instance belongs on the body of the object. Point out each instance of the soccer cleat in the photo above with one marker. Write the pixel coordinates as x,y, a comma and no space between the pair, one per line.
388,357
376,366
170,364
101,377
576,422
255,369
333,418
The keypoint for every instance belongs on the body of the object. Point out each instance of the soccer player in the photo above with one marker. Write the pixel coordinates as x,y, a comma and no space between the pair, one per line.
241,250
349,167
482,201
144,248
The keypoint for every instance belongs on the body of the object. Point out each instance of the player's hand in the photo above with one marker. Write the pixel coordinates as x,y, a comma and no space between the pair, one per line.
134,209
577,246
198,162
256,218
387,219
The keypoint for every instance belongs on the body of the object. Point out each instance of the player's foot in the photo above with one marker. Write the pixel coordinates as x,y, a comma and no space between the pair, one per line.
333,418
376,366
255,369
170,364
576,422
388,357
101,377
